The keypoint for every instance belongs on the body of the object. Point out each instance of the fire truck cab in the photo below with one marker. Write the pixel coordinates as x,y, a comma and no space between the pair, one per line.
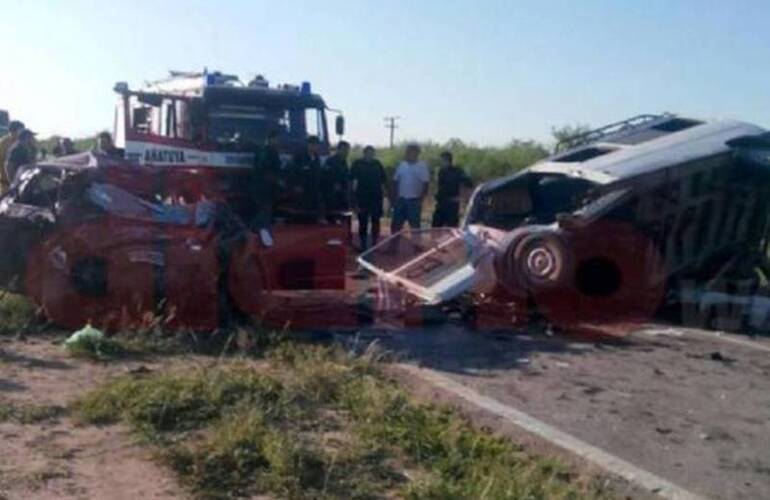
216,115
210,125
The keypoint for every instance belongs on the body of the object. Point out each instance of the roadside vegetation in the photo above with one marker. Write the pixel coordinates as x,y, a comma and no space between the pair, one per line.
82,144
481,163
18,315
310,421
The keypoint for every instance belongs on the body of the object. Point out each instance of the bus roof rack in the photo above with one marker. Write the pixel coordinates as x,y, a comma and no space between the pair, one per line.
598,134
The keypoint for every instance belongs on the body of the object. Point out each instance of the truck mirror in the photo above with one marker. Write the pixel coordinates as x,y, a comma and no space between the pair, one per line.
339,125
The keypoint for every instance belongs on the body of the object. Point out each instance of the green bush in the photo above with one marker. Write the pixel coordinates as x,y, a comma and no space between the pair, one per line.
17,314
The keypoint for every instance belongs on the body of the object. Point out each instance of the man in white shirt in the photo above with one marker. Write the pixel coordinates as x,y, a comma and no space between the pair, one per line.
410,185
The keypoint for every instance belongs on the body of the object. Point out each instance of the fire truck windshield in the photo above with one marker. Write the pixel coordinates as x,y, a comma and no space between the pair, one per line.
252,125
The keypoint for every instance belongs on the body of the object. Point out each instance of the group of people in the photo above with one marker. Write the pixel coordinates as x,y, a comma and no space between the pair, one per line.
324,190
19,147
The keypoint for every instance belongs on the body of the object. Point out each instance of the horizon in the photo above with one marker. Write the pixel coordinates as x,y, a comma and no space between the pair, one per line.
485,73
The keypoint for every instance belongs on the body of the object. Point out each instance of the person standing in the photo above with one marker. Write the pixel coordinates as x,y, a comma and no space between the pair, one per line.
8,140
410,185
369,181
335,182
304,182
266,187
451,180
22,152
65,147
105,146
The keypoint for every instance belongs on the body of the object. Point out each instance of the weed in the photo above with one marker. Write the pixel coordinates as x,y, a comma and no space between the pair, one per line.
17,314
176,402
244,455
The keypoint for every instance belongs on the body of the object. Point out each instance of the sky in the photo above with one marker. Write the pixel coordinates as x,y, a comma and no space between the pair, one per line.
483,71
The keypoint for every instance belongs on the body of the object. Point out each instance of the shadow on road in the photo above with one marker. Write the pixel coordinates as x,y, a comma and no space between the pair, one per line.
457,349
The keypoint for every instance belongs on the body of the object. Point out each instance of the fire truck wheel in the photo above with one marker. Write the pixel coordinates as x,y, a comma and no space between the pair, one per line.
540,261
615,275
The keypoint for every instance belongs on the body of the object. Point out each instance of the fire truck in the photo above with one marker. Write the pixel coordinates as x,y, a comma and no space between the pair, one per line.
159,226
198,131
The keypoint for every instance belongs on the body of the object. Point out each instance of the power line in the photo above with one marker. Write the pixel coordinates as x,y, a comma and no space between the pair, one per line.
390,123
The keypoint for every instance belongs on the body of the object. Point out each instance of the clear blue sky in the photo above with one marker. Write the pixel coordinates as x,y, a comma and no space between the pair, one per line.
482,71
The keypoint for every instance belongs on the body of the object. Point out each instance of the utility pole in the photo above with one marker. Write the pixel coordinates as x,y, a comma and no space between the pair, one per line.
390,123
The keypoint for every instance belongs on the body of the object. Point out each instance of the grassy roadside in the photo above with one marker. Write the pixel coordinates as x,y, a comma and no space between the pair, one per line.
310,421
18,314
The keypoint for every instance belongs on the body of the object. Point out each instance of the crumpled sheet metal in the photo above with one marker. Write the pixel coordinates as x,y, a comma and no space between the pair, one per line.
98,252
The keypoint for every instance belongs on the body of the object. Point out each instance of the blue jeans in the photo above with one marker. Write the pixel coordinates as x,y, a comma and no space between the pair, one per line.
406,210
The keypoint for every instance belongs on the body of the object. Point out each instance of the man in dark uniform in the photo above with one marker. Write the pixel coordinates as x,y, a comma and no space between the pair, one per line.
22,152
369,181
451,180
304,183
266,180
335,182
105,146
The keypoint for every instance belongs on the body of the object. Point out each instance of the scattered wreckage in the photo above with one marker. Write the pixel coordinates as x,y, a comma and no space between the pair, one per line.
158,229
614,226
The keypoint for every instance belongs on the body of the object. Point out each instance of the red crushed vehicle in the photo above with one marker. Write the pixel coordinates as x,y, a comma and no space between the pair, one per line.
159,228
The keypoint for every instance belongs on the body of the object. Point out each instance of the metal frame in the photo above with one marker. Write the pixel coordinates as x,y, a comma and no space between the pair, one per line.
633,123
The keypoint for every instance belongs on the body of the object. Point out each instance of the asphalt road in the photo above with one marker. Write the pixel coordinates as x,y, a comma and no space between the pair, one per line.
688,407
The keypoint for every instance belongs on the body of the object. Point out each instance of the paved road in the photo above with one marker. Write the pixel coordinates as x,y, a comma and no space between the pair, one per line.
686,406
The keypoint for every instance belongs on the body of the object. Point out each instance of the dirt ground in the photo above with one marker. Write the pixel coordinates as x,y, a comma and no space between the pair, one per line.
57,459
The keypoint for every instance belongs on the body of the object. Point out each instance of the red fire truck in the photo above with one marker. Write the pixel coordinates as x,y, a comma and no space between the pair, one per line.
159,227
199,131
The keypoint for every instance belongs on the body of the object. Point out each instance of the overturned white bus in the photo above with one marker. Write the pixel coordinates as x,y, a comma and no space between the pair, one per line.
607,228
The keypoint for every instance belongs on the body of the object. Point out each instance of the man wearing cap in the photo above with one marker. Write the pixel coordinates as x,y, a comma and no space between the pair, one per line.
105,146
335,182
369,185
451,181
21,153
266,181
304,183
14,128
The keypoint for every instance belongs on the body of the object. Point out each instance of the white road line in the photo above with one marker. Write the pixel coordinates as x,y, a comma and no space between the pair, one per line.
683,332
603,459
729,338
